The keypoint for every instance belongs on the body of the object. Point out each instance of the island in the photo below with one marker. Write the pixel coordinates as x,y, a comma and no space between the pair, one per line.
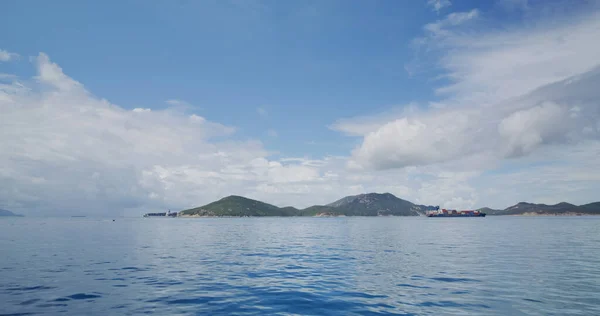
532,209
370,204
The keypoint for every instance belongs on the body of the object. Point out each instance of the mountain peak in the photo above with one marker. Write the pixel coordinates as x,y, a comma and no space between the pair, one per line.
531,208
234,197
364,198
369,204
235,205
565,204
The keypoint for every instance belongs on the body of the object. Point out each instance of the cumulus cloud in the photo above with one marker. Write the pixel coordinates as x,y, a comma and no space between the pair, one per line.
510,129
52,75
527,129
509,94
517,119
7,56
362,125
65,150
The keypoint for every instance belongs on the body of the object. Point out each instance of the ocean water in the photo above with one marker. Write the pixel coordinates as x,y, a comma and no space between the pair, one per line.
300,266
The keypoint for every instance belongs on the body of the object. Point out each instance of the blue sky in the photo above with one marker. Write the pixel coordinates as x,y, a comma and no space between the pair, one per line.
306,63
331,96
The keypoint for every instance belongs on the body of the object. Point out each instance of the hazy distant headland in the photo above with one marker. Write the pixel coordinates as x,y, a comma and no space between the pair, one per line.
9,213
370,204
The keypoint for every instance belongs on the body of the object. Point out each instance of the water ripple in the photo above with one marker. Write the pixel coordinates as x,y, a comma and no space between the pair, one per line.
83,296
263,266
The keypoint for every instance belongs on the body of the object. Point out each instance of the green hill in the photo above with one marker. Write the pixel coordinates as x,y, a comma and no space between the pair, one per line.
563,208
370,204
489,211
542,209
321,210
591,208
240,206
376,204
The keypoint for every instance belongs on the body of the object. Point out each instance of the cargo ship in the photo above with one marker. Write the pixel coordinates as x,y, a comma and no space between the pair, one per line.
165,214
453,213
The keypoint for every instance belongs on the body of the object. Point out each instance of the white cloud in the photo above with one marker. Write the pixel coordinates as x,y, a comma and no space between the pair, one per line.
65,151
510,93
141,110
437,5
7,56
51,74
490,66
566,113
442,27
362,125
527,129
518,119
515,101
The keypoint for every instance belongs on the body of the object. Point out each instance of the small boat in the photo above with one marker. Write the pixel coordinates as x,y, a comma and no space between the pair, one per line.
453,213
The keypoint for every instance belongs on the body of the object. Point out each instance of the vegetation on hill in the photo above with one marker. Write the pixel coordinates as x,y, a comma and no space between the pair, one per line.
240,206
321,210
375,204
591,208
524,207
372,204
489,211
563,208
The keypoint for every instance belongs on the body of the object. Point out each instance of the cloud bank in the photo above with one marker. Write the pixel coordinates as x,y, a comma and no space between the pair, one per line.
66,150
517,118
509,93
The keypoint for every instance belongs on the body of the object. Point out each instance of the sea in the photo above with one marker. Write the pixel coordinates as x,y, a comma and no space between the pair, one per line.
505,265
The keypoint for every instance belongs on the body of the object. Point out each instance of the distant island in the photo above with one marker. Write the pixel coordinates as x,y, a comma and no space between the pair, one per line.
9,213
369,204
560,209
372,204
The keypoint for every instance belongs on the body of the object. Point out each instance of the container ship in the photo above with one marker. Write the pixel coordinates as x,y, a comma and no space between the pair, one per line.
165,214
453,213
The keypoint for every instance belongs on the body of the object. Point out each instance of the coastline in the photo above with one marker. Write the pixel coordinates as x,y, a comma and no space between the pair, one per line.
528,214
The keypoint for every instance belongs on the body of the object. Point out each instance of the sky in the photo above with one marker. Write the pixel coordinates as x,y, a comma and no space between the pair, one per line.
127,107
